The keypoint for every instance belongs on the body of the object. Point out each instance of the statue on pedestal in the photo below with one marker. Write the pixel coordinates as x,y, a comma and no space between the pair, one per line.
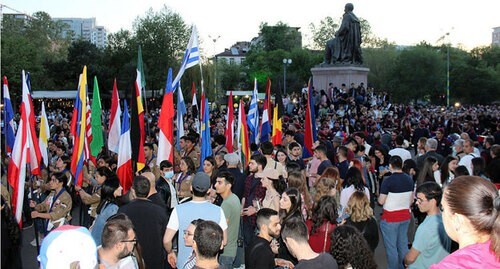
345,47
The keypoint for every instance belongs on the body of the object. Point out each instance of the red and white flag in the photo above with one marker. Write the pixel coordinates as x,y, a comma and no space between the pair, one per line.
25,151
114,121
166,125
230,124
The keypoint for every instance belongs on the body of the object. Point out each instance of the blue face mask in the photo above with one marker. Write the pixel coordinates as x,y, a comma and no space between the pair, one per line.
168,174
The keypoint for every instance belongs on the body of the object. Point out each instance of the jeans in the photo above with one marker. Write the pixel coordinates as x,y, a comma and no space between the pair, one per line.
226,261
395,242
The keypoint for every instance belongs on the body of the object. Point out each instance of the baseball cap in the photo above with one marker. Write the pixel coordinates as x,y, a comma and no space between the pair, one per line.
68,245
201,182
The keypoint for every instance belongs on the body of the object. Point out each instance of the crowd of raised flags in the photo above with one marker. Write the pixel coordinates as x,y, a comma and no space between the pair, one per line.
126,131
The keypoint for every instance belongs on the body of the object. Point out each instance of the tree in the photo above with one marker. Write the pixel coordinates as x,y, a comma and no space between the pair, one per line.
163,37
279,36
417,74
31,44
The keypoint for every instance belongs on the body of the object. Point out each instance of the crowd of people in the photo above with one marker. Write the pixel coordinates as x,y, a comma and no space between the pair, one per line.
432,169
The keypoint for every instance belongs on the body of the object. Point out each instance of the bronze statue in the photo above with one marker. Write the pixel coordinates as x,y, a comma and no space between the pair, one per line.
345,47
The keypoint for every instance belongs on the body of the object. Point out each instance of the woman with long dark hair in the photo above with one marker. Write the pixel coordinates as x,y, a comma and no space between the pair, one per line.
355,182
447,171
427,173
183,178
323,222
350,249
107,206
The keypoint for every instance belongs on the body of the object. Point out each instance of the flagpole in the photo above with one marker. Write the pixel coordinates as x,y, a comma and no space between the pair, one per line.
146,108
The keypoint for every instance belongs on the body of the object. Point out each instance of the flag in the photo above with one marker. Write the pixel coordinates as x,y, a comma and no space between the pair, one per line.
194,109
230,124
115,128
181,111
190,59
124,171
25,151
88,135
80,128
310,125
265,127
206,143
253,115
9,127
44,135
242,134
137,125
96,122
277,116
165,123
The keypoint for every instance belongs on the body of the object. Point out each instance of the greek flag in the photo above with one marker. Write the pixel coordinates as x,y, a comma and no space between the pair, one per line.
253,116
190,59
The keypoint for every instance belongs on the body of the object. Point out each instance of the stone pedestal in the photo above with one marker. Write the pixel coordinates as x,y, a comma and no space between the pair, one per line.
338,74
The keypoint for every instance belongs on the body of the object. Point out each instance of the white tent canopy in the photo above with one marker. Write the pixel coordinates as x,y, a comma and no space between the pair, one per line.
54,94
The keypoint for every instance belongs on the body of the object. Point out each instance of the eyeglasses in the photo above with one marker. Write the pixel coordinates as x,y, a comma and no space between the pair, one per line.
187,233
130,241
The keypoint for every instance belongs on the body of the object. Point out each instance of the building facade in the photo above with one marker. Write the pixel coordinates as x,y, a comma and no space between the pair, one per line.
495,36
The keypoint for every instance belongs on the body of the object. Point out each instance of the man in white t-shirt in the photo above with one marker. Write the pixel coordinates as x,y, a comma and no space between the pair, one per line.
466,160
183,214
399,150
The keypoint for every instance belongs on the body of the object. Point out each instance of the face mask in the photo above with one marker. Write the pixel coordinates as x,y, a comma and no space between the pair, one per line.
168,174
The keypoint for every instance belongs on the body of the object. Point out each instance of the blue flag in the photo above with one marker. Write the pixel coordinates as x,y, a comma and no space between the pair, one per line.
206,146
9,128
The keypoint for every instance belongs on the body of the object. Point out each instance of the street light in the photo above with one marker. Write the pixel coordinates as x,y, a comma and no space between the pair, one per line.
215,63
285,63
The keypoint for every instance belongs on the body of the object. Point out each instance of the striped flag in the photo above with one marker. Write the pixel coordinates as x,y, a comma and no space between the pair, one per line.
230,124
242,134
310,125
181,111
88,134
96,122
9,127
137,130
194,109
265,127
80,128
206,146
24,152
165,123
115,128
253,116
277,116
124,170
43,136
190,59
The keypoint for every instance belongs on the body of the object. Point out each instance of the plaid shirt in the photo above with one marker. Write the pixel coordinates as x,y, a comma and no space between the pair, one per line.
257,192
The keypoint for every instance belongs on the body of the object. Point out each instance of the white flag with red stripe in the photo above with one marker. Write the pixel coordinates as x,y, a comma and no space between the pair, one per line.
115,126
25,151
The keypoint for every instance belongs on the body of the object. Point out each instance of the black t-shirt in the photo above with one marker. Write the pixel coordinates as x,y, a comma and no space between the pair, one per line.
259,254
324,260
300,162
323,165
150,222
